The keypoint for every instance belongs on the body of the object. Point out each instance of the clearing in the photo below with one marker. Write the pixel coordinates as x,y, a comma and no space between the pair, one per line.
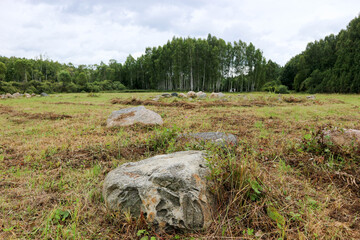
280,183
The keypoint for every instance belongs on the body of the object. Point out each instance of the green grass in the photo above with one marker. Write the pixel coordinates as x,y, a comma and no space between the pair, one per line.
274,184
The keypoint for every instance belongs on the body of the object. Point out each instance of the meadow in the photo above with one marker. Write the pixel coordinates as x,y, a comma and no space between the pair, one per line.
278,182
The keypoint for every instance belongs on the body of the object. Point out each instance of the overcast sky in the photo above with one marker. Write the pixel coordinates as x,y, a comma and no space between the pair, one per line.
87,32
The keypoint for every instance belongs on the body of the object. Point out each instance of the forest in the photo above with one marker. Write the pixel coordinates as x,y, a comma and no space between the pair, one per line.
182,64
329,65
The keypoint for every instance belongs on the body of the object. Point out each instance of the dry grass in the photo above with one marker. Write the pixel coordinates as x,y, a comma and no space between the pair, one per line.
276,183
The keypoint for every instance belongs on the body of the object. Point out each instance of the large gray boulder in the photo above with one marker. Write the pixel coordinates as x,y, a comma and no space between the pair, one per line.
170,190
219,138
130,116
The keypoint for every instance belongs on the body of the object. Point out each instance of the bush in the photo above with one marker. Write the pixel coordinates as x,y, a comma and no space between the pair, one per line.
31,89
269,86
7,87
92,87
46,87
118,86
281,89
106,85
71,87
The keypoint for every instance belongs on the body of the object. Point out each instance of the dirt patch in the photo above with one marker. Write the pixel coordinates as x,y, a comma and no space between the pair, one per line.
334,101
187,105
24,115
135,101
257,102
292,99
74,103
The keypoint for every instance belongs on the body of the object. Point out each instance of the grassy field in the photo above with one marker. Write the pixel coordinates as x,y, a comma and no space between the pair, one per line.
277,183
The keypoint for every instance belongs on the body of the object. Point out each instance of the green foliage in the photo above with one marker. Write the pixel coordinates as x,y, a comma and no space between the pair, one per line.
281,89
64,76
93,95
144,235
182,64
7,87
60,215
328,65
3,70
118,86
162,138
257,189
270,86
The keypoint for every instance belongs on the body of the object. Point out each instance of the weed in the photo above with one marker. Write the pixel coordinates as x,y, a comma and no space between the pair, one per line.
93,95
162,139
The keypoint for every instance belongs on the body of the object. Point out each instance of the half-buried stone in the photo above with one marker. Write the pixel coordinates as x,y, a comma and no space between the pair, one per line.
348,138
171,190
130,116
219,138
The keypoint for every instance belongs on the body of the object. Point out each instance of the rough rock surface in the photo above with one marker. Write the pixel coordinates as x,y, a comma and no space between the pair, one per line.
174,94
16,95
156,98
217,137
342,137
166,95
170,190
130,116
217,95
191,94
311,97
201,94
182,95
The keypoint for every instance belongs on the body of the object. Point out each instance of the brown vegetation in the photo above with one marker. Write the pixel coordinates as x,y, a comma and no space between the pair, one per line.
279,181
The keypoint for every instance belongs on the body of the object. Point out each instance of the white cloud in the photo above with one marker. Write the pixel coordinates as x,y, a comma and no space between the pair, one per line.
87,32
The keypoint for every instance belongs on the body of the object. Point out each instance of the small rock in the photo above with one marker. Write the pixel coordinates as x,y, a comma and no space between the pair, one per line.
171,191
216,137
156,98
16,95
221,95
174,94
130,116
33,94
166,95
201,95
217,95
44,94
342,137
8,95
213,95
191,94
27,95
312,97
182,95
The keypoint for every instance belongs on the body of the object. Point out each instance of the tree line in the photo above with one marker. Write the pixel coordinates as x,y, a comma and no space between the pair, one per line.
181,64
330,65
